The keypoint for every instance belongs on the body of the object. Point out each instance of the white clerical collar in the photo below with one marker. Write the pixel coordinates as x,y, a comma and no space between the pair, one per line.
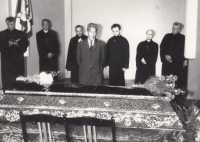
46,31
148,40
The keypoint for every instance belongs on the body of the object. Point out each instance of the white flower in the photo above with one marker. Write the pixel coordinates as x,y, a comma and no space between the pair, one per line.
172,97
45,78
177,92
172,85
175,78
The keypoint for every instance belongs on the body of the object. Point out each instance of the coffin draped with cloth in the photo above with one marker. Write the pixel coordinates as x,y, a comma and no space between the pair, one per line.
139,115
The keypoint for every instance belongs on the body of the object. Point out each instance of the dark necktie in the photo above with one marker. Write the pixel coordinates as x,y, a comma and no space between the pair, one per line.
91,45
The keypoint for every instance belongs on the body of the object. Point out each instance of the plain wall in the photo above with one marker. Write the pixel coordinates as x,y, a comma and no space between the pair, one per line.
194,68
3,15
135,17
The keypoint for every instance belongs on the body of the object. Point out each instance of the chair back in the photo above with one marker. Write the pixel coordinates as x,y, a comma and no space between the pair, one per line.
43,121
89,127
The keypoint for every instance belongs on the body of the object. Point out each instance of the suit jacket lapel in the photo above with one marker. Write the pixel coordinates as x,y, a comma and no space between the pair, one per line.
86,45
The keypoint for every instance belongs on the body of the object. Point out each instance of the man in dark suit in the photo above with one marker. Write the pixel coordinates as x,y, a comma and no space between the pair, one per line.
48,48
91,58
13,45
117,57
71,64
147,53
172,53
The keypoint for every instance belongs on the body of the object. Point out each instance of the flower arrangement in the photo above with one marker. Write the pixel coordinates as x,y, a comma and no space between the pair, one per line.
45,79
190,118
163,85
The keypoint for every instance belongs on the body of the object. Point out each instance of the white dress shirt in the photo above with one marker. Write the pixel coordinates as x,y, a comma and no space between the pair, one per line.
89,42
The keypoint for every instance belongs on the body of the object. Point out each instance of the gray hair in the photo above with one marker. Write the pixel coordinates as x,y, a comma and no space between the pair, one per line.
92,25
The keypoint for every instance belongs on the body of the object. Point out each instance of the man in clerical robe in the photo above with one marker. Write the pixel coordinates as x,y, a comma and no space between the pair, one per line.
117,57
13,45
147,53
71,64
48,48
91,54
172,53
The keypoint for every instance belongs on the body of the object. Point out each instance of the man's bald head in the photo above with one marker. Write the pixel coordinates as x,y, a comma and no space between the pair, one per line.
149,34
151,31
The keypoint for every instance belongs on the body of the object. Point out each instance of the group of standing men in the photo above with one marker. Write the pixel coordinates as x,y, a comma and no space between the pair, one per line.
88,56
86,66
13,45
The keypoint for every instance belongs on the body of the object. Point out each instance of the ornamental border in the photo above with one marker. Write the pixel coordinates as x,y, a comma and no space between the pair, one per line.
92,95
81,109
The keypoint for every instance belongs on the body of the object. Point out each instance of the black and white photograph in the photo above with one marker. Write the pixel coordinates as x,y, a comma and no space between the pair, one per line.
99,71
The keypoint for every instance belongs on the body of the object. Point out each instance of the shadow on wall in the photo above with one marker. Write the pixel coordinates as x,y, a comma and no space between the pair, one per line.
100,29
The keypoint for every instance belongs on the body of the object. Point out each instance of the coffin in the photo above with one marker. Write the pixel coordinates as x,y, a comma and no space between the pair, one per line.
138,114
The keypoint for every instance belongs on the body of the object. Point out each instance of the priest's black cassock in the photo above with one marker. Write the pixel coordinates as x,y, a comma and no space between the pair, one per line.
173,45
117,58
48,43
71,64
148,51
12,57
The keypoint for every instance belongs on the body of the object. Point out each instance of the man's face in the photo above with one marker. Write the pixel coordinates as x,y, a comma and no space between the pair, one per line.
176,29
92,33
79,31
116,31
11,25
45,25
149,35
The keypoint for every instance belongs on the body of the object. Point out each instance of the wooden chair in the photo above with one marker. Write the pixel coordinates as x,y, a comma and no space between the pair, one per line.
42,120
89,127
